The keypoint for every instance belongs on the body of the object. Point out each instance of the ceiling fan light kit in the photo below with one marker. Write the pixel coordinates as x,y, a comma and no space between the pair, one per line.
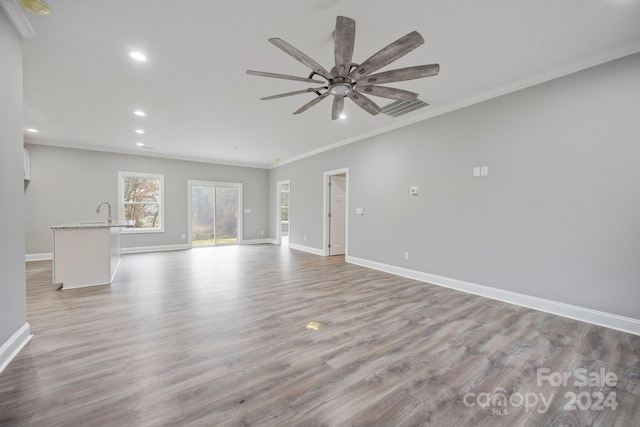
38,7
349,80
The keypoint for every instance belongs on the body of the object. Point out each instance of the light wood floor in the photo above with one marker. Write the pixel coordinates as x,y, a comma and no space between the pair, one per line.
217,337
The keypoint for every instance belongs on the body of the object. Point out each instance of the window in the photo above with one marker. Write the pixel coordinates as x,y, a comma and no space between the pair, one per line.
284,200
284,210
141,201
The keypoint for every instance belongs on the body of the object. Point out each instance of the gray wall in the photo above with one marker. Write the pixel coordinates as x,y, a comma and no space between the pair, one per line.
67,185
558,217
12,278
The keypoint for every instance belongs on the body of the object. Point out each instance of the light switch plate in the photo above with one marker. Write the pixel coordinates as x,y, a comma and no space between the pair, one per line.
476,171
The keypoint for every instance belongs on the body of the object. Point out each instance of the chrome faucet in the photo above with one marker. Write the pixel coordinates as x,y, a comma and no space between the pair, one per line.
109,206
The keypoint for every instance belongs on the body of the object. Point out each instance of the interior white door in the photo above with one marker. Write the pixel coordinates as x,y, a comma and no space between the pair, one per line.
338,213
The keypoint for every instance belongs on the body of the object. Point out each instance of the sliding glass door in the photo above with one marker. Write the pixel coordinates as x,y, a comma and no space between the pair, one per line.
214,213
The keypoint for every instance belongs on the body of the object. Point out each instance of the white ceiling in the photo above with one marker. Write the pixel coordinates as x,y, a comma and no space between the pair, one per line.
81,87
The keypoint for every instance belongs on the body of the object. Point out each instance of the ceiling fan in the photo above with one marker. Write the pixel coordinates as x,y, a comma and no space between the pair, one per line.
350,80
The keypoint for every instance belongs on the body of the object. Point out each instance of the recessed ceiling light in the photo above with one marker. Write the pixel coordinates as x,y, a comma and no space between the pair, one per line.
138,56
343,116
140,131
140,144
38,7
139,113
32,130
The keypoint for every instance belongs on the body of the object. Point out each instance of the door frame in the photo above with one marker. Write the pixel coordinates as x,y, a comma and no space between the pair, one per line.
190,184
279,186
326,179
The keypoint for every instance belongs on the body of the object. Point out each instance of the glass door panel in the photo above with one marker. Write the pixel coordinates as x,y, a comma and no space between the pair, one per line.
202,215
226,215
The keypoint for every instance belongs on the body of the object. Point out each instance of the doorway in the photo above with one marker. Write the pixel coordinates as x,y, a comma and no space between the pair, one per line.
336,212
214,213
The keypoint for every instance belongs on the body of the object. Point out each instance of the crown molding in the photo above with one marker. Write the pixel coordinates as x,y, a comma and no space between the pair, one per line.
18,18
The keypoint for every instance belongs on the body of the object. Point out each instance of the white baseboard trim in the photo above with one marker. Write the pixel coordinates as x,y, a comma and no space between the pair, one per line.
144,249
38,257
306,249
255,242
600,318
12,347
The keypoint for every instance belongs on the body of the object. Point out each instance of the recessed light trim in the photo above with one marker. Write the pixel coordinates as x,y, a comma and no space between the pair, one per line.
343,116
32,130
138,56
139,113
140,144
38,7
140,131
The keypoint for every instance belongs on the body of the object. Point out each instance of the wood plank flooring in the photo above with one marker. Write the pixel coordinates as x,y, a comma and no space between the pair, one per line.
217,337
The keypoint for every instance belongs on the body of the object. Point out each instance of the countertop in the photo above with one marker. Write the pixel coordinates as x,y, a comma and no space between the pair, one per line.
87,224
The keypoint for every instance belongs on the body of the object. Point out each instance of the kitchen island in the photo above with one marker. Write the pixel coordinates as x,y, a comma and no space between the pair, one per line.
85,253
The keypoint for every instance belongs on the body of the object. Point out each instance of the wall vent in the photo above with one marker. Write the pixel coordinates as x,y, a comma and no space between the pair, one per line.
399,108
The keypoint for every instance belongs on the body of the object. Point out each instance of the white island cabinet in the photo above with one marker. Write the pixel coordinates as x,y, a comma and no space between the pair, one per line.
85,253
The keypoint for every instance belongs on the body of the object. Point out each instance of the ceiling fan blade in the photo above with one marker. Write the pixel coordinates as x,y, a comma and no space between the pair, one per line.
388,92
297,92
365,103
338,106
387,55
345,37
282,76
401,74
301,57
310,104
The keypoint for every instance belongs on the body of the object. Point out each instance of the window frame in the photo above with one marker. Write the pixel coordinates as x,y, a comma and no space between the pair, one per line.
121,202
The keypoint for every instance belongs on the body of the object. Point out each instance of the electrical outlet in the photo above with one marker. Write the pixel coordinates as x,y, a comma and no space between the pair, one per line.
406,256
184,236
305,238
484,171
262,232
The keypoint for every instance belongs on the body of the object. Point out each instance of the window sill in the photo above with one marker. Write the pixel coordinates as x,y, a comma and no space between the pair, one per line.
140,231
